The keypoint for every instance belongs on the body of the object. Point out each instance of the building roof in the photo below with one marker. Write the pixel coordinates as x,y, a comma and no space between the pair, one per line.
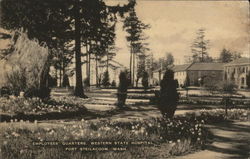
239,61
208,66
178,68
113,64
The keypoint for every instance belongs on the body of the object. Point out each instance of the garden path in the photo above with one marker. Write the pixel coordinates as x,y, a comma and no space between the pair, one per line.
231,141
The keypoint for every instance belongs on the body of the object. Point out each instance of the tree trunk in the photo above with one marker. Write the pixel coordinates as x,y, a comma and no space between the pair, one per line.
107,62
96,68
133,68
79,86
130,63
87,59
60,75
89,62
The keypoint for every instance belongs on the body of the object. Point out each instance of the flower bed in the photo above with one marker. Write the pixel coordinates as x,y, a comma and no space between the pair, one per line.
32,108
218,101
167,137
219,115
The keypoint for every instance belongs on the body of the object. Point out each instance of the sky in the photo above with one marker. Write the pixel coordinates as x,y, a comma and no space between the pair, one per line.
174,25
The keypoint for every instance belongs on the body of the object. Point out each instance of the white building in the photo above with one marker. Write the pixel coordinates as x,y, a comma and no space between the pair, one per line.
180,73
237,71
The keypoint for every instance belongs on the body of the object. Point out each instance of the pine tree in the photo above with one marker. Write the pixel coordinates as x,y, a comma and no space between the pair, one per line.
199,47
135,28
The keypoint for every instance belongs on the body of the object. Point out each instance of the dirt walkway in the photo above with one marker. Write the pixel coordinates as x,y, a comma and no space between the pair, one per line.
231,141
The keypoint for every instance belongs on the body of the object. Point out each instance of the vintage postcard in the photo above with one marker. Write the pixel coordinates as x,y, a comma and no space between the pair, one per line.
146,79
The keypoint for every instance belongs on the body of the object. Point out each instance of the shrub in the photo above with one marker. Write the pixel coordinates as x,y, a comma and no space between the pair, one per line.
168,94
122,89
28,61
65,82
210,84
86,82
145,80
105,80
113,84
16,81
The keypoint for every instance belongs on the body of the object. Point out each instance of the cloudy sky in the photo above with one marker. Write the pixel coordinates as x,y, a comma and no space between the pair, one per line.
174,25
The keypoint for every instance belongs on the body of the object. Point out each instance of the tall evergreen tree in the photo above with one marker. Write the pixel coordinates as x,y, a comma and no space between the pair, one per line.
135,28
199,47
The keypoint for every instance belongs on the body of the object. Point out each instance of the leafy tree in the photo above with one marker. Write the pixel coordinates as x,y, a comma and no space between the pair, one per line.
225,56
168,95
169,60
145,80
228,56
199,47
105,80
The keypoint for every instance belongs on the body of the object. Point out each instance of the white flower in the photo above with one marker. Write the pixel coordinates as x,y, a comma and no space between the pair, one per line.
198,139
178,140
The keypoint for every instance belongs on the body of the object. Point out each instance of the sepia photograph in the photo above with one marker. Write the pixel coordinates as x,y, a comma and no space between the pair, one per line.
124,79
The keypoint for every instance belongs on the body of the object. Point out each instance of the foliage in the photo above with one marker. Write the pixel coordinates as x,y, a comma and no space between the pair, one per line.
122,89
168,94
16,105
228,56
140,68
52,24
211,85
28,61
161,134
105,80
65,82
218,115
16,81
134,27
113,84
86,82
199,47
228,87
145,80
